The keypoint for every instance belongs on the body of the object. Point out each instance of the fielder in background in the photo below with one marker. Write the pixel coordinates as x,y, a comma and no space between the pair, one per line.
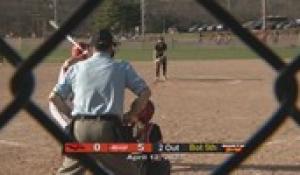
160,58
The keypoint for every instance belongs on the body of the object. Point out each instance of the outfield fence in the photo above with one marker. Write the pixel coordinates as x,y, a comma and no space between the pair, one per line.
288,37
181,46
22,84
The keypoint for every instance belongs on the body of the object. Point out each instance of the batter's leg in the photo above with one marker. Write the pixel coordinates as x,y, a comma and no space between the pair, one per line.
157,67
71,166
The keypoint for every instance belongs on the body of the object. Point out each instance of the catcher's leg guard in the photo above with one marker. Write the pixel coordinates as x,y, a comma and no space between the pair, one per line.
154,134
161,166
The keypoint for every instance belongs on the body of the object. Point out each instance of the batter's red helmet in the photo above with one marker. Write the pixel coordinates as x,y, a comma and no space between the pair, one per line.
147,113
77,53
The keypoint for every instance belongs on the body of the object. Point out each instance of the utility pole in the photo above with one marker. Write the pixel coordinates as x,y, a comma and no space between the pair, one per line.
142,4
264,13
289,10
55,10
229,5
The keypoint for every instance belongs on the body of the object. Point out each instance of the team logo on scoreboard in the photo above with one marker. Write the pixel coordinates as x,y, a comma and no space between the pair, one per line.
118,147
140,147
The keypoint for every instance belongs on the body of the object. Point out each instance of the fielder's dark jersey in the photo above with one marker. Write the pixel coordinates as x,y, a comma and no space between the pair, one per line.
160,48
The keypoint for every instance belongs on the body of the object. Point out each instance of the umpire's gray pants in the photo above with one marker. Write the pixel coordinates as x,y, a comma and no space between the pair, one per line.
94,130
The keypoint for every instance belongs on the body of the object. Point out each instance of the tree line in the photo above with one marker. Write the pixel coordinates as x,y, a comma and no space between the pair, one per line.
122,16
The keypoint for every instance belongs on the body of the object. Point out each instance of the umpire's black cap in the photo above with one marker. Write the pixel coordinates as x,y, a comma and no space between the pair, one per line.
102,40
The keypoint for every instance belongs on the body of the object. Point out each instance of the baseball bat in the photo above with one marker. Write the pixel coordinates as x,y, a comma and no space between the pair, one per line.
68,37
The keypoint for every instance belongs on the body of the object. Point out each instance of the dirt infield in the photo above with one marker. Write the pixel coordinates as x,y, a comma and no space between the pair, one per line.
204,101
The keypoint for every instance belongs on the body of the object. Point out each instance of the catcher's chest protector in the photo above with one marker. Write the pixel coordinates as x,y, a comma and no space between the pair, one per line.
150,134
156,167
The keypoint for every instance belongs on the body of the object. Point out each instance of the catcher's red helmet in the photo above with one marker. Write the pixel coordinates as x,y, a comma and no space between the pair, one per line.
147,113
78,52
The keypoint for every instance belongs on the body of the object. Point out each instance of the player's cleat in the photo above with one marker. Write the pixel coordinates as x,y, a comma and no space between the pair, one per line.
164,78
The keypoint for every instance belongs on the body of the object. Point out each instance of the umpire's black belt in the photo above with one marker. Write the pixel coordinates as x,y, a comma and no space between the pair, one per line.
105,117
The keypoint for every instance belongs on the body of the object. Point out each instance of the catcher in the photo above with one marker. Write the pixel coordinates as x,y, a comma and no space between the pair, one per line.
160,58
145,131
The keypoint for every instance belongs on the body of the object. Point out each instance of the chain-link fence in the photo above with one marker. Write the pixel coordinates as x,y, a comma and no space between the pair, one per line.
22,84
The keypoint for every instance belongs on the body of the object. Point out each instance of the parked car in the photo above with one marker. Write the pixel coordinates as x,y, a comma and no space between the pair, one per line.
273,21
248,24
253,24
203,28
172,30
297,21
221,27
193,28
281,24
258,24
290,24
211,28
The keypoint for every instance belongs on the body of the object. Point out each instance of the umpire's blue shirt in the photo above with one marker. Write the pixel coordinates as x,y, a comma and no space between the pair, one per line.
98,85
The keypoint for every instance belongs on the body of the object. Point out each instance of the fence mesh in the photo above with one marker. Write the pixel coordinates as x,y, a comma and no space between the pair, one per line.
22,84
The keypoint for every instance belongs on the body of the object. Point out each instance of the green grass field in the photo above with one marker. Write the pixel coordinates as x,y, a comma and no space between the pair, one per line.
143,52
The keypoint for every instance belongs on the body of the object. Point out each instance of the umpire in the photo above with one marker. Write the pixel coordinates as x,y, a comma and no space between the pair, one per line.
98,85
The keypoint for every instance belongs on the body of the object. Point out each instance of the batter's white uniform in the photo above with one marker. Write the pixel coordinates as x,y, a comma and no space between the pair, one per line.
62,120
